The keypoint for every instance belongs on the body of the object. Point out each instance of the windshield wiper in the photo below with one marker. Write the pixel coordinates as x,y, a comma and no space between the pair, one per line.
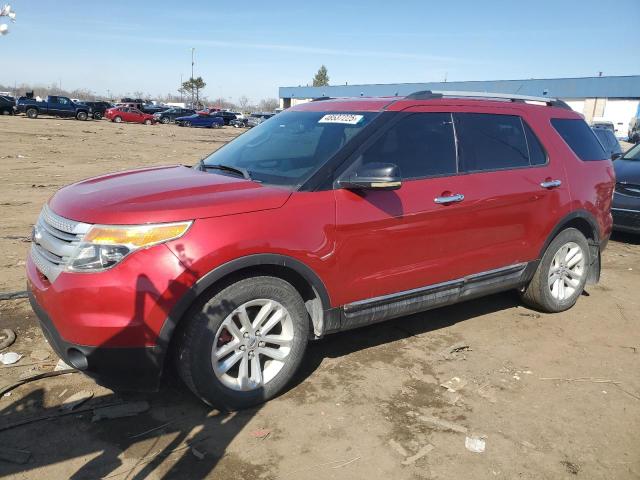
237,170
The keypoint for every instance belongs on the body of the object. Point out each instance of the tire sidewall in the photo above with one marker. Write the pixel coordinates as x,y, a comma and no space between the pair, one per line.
97,116
208,321
117,119
566,236
32,113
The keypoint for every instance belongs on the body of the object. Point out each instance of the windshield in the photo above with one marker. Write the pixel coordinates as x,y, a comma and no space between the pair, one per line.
288,148
633,154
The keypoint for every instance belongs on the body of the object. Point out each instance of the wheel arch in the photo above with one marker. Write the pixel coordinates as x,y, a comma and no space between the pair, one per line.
308,284
587,224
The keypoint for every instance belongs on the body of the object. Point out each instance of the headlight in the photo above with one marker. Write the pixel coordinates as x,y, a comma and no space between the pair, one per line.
104,246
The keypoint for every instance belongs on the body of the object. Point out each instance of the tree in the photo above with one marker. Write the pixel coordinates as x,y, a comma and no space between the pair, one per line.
192,87
243,103
268,104
322,77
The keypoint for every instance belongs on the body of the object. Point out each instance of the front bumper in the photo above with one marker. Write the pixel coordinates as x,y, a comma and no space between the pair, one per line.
126,368
107,324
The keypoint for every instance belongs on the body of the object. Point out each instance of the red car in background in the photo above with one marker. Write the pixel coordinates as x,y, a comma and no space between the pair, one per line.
128,114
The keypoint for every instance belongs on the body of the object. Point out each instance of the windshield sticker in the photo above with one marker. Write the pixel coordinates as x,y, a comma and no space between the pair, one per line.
345,118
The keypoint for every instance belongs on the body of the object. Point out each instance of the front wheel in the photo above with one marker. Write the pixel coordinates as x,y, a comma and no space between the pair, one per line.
164,120
561,275
186,124
117,119
245,344
147,122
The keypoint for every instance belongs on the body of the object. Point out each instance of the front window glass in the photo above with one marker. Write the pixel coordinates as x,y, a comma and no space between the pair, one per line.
286,150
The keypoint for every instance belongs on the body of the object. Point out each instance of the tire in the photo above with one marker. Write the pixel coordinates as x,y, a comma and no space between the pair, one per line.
207,327
6,112
97,116
186,124
82,116
147,122
32,113
117,119
165,120
553,292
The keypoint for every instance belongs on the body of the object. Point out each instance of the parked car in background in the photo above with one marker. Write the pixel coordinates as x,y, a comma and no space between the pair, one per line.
200,120
152,108
603,124
98,108
239,122
226,116
257,118
128,114
609,141
634,130
340,214
53,105
7,105
626,199
170,115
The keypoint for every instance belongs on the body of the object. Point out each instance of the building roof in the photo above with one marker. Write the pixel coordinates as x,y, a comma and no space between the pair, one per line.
565,88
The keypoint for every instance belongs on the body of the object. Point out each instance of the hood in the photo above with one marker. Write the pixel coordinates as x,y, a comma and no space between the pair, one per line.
627,171
163,194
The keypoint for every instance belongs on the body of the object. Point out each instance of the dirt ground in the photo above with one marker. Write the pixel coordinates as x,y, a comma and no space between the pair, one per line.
552,396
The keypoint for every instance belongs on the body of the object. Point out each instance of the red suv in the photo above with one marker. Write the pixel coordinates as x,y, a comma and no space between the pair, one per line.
129,114
329,216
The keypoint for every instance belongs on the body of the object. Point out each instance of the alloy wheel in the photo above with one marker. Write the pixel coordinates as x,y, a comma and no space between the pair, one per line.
566,271
252,344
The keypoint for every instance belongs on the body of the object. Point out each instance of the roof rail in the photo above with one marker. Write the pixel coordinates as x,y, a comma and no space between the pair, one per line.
428,94
319,99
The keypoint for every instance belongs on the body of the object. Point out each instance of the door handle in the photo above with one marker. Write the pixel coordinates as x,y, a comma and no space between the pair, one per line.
551,184
458,197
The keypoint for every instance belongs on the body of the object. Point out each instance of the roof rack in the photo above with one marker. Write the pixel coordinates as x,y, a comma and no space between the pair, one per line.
428,95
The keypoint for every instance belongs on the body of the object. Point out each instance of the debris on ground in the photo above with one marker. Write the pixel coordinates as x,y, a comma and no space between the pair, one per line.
488,392
441,424
13,295
9,358
75,400
22,381
197,453
7,337
39,355
129,409
456,351
453,385
475,444
421,453
14,455
61,365
262,433
398,448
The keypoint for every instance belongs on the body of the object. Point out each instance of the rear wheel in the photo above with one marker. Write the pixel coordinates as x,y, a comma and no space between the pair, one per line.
97,115
245,344
82,115
561,275
32,113
117,119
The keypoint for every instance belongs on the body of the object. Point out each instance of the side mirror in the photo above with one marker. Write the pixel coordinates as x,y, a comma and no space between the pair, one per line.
373,176
616,156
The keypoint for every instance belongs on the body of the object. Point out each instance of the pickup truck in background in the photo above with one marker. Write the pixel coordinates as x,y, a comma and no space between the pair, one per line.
53,105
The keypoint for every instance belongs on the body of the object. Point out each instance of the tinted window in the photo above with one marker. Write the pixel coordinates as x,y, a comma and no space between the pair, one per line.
537,154
422,145
580,138
491,142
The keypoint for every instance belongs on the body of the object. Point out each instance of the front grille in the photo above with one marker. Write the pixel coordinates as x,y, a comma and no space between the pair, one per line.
629,189
54,240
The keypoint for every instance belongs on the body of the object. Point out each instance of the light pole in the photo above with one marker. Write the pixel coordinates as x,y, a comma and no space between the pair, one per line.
193,52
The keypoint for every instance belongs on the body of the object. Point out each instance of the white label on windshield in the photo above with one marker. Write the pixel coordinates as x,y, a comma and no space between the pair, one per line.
345,118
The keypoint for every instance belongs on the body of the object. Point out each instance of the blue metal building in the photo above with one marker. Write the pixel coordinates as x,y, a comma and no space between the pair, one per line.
618,87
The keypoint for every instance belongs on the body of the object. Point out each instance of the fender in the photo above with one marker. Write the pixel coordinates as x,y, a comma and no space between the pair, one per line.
207,280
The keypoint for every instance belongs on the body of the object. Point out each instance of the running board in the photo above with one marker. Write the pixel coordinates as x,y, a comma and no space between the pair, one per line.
378,309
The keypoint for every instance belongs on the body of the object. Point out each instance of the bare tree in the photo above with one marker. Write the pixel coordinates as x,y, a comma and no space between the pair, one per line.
268,104
243,103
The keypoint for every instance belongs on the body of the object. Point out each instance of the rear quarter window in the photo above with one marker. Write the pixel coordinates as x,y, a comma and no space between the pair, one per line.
580,138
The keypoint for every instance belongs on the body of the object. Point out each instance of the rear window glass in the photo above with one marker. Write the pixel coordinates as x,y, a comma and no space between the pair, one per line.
580,138
491,142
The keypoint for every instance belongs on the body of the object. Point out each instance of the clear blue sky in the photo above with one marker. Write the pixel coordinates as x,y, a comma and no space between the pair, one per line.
252,47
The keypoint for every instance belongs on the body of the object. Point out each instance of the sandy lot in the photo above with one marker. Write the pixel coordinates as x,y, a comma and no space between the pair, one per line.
552,396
